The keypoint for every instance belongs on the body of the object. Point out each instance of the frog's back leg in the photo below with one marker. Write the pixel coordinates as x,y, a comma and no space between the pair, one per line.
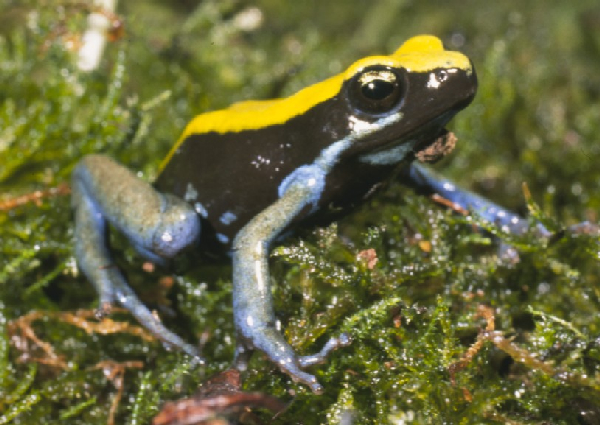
159,225
426,182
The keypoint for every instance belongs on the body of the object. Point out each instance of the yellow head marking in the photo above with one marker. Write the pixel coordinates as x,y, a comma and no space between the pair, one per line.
422,53
419,54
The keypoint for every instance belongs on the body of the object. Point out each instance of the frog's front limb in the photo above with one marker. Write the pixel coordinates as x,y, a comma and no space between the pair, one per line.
252,303
158,225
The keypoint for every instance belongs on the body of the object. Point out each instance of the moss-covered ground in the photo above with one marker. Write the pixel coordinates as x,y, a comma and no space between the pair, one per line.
444,330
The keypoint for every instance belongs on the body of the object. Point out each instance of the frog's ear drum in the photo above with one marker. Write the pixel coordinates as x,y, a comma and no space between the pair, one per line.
376,90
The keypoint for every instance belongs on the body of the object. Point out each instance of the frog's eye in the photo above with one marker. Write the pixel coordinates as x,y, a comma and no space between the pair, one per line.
376,89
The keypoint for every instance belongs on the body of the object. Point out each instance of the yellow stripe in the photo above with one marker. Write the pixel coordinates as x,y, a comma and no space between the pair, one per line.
418,54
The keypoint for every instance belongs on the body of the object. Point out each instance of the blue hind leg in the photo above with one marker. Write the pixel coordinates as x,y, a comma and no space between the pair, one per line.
427,183
158,225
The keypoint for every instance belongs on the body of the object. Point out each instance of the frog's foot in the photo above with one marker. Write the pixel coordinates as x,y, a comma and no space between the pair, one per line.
129,300
575,230
115,284
271,343
584,228
119,291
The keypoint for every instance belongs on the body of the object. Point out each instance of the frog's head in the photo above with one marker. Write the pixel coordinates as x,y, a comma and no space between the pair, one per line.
399,104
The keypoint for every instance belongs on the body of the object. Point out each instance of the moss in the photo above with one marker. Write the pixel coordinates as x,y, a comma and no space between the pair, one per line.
422,352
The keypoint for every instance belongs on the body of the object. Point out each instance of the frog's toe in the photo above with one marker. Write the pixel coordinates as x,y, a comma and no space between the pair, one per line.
281,354
333,344
584,228
292,368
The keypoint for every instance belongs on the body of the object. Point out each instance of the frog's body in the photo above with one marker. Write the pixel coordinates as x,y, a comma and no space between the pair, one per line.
266,141
240,178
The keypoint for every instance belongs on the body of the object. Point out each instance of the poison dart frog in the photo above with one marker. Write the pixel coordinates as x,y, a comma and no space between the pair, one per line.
240,179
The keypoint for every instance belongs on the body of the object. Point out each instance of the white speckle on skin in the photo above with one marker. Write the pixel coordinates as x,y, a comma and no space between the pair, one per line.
357,125
227,218
167,237
437,78
201,210
250,321
260,282
433,82
260,160
191,194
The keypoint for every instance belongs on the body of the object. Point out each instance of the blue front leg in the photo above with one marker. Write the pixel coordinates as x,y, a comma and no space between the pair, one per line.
158,225
252,304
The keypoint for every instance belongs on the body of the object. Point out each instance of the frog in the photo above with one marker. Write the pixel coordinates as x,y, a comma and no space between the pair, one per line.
239,180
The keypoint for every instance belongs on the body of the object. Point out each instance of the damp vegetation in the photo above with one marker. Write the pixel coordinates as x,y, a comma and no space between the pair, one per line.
446,328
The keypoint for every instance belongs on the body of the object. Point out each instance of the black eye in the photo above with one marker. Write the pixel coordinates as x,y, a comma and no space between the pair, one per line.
376,90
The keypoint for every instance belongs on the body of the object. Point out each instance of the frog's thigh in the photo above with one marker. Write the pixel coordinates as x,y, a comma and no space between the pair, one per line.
252,303
158,225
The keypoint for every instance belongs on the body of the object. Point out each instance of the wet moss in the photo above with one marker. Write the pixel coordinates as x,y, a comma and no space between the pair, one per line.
423,352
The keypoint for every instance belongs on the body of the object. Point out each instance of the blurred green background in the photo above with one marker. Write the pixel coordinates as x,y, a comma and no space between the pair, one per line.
536,120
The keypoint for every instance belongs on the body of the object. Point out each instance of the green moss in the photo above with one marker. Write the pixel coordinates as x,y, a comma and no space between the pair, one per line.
413,316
